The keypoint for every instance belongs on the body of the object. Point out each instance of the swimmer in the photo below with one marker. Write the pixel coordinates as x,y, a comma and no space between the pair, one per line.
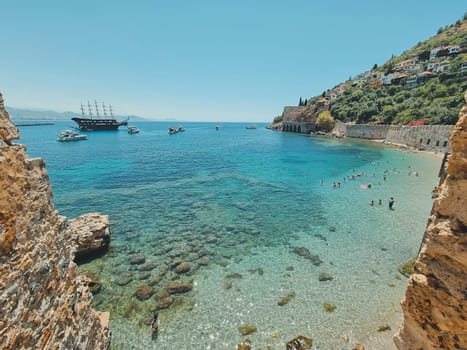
391,202
155,323
372,202
379,202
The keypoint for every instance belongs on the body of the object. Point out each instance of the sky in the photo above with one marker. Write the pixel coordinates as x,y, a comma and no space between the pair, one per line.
203,60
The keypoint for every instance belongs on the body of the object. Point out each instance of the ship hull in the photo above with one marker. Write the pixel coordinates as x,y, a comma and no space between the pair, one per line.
98,124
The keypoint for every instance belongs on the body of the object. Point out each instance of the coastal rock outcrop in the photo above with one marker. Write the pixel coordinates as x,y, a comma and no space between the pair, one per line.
91,235
435,305
44,302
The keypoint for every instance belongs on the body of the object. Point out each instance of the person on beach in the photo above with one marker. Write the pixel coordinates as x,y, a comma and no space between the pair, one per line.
391,203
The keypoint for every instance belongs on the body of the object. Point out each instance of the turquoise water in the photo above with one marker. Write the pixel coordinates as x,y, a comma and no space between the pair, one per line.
236,204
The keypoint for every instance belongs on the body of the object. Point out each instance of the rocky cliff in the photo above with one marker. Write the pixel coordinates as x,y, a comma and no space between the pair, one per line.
435,303
44,301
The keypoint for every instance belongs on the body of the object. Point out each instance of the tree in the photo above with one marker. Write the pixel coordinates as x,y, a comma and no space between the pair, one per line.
374,66
325,121
300,103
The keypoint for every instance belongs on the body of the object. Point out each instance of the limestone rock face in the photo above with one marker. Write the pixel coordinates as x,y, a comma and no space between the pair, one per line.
435,306
44,302
8,131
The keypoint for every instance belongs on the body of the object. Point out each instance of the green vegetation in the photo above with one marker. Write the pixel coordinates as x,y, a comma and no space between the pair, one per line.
440,100
325,121
277,119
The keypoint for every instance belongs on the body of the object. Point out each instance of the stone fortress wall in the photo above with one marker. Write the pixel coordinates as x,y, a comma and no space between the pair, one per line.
433,138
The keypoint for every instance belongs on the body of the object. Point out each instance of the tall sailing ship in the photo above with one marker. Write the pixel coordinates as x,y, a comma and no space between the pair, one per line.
98,123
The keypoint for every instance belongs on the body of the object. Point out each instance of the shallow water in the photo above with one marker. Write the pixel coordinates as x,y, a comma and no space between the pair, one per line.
234,203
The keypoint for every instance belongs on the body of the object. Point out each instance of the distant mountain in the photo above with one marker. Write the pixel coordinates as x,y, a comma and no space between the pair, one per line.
43,114
425,83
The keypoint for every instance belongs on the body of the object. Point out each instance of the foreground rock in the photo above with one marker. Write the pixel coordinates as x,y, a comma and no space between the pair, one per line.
299,343
91,234
44,301
434,306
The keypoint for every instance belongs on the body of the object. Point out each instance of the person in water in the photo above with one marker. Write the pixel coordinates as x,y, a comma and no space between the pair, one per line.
391,202
155,325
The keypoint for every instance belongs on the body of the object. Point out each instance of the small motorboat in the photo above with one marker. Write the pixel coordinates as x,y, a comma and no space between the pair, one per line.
251,127
176,130
69,135
133,130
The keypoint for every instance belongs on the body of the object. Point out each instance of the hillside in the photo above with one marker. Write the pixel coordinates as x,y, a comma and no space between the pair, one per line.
425,83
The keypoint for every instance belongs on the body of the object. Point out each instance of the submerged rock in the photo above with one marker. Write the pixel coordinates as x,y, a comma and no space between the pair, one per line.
144,292
245,330
123,281
183,267
384,328
284,300
164,303
245,345
204,261
408,268
147,266
258,270
299,343
302,251
329,307
177,288
359,347
137,260
324,276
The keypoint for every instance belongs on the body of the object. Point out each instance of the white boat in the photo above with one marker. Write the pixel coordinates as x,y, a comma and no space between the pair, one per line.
133,130
176,130
69,135
251,127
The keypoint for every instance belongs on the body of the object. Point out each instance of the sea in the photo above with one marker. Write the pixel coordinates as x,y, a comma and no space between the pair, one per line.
274,230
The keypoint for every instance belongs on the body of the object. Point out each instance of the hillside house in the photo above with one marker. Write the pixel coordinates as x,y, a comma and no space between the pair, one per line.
432,65
443,67
453,50
408,64
411,82
434,52
463,66
419,79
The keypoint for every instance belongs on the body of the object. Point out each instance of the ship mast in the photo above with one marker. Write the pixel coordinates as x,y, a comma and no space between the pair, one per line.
111,114
82,111
105,112
97,109
90,110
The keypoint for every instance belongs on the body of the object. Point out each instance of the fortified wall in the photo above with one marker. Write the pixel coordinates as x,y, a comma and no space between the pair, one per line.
44,302
295,119
434,138
435,305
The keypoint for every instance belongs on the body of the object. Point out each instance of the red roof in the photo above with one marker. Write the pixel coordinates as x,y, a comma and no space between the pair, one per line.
419,122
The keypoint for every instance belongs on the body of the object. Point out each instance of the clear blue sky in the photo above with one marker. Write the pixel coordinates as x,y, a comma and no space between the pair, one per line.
203,60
